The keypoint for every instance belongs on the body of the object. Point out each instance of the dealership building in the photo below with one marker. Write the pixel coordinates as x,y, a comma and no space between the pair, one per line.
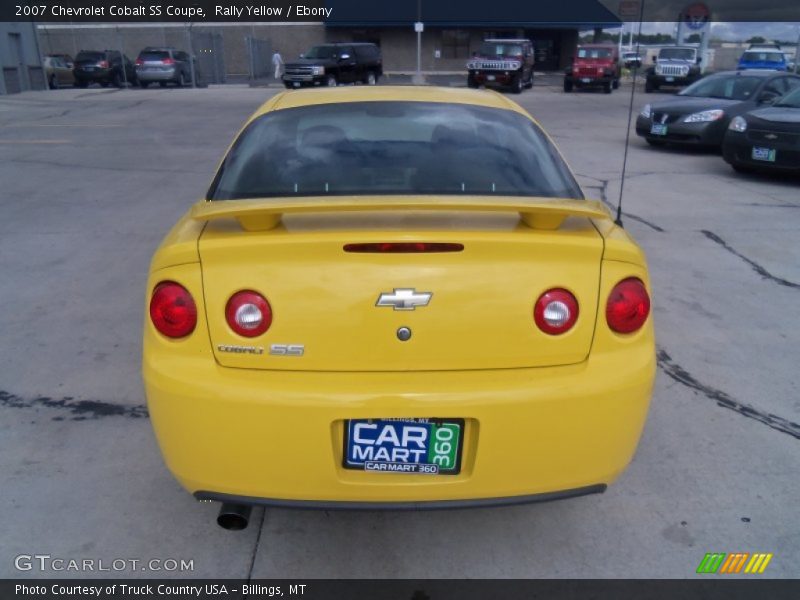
452,32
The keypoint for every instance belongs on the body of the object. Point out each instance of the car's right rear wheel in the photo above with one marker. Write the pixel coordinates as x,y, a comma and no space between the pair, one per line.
116,81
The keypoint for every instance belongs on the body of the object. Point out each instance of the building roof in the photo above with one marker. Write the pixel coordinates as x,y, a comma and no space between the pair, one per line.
471,13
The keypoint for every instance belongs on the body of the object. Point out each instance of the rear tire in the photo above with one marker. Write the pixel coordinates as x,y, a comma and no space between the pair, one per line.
567,86
330,81
471,83
371,78
52,83
615,84
530,81
116,81
740,168
181,80
81,84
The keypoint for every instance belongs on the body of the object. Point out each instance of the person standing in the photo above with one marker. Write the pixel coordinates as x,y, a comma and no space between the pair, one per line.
277,62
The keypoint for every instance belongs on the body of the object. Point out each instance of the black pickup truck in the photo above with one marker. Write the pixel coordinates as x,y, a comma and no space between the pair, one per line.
332,64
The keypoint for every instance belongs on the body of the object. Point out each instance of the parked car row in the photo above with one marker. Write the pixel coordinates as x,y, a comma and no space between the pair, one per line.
162,65
752,116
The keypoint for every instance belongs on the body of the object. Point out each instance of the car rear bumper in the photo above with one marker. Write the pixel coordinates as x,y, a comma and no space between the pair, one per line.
96,75
276,437
151,75
589,80
738,150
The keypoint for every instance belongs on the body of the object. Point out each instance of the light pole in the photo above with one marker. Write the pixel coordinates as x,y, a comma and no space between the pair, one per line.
419,28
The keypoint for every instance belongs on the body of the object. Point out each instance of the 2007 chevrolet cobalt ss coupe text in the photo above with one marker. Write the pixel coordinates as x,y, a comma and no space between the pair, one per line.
396,298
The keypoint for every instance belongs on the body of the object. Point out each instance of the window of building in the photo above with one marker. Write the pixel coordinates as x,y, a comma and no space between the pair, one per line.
455,43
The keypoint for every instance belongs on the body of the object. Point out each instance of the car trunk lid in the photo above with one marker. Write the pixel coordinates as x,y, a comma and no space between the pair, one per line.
473,309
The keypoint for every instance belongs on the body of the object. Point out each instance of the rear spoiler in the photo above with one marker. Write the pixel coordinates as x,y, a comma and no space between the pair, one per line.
265,214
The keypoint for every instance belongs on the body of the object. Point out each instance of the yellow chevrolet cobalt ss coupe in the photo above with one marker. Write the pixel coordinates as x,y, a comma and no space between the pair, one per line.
396,297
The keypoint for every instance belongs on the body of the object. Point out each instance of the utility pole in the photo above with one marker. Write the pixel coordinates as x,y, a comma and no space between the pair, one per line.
419,28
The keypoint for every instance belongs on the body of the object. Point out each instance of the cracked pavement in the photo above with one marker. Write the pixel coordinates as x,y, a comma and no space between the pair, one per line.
93,179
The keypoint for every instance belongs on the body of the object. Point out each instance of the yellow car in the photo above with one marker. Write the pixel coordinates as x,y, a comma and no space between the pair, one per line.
396,297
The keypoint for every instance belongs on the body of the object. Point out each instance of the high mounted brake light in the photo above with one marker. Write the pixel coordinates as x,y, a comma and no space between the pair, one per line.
403,247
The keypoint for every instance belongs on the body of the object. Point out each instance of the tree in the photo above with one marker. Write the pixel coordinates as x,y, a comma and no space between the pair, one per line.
695,38
756,39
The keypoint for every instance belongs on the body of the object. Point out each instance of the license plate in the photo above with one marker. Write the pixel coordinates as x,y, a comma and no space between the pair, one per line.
490,78
658,129
669,79
426,446
765,154
586,80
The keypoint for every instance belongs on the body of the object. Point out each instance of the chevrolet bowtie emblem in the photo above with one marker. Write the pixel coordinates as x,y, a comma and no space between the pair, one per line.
404,299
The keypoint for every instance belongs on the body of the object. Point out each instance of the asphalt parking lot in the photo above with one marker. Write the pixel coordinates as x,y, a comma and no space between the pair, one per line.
92,180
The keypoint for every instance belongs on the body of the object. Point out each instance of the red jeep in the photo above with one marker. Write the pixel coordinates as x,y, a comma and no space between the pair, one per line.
595,65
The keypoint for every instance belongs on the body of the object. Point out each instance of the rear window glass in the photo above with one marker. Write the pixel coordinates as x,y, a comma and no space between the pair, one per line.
392,148
154,55
90,56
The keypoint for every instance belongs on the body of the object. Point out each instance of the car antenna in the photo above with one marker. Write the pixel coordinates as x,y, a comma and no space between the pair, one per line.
618,220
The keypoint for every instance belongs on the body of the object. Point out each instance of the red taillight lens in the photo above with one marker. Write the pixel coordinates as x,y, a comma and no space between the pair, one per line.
139,62
248,313
404,247
168,61
172,310
103,64
556,311
628,306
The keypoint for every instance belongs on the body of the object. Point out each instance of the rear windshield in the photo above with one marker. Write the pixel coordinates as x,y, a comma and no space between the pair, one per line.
730,87
676,53
594,53
776,57
90,56
500,49
154,55
392,148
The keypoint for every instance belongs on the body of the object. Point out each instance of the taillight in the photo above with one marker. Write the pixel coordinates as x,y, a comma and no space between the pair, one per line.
103,64
556,311
404,247
628,306
172,310
248,313
168,61
139,62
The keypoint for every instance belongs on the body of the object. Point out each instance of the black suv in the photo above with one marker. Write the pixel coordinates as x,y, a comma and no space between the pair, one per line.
502,63
332,64
163,65
103,67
